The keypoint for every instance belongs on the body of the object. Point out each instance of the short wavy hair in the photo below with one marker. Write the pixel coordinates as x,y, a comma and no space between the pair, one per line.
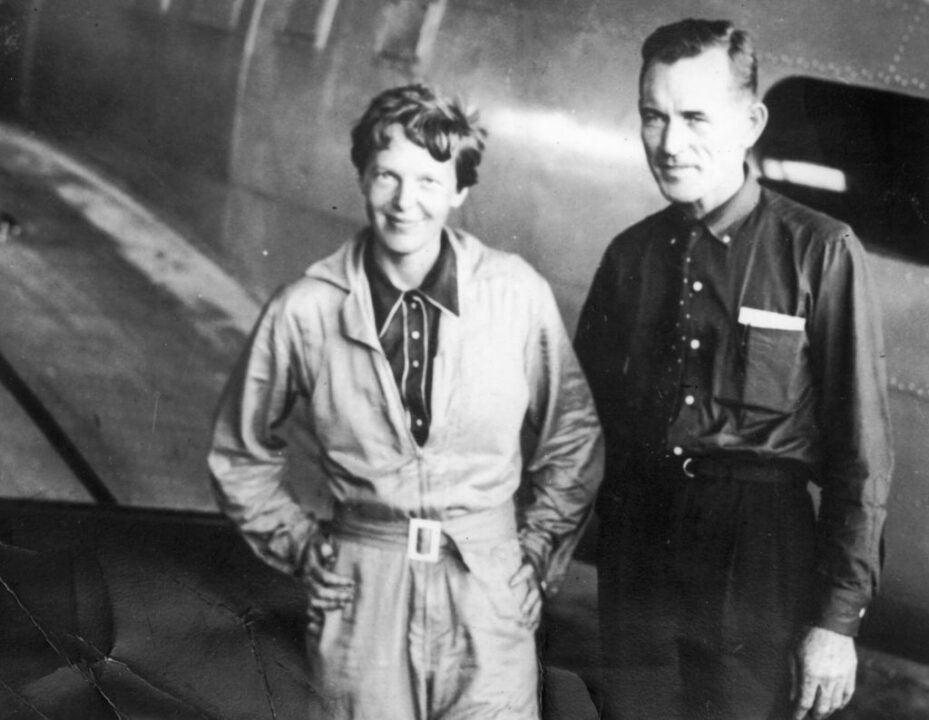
436,124
688,38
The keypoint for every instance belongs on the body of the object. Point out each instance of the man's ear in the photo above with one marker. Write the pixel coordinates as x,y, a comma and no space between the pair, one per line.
757,120
459,197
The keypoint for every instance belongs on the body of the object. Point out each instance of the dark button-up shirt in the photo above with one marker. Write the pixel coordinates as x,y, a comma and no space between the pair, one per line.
408,329
751,335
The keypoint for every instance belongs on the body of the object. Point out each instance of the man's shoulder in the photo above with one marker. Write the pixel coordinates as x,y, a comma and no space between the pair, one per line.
640,234
804,222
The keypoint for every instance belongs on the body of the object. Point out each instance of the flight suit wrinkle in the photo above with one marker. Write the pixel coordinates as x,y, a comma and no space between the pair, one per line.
251,457
357,310
446,367
562,507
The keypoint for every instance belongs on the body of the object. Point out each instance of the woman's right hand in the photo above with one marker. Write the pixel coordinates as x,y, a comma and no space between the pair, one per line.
327,590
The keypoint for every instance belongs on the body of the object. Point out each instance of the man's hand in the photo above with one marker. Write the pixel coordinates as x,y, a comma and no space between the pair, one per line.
527,585
823,673
327,590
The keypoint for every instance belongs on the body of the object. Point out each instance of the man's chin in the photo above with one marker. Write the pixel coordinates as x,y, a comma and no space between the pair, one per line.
678,194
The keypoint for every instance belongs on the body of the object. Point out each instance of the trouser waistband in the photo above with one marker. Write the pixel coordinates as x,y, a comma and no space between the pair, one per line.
425,539
704,468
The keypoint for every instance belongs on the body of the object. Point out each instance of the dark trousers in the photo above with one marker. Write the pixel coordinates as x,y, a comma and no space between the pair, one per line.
702,586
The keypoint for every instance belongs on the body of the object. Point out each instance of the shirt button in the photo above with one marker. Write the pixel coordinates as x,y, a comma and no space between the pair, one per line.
861,613
415,334
678,450
416,363
419,422
726,239
694,344
698,286
673,241
689,400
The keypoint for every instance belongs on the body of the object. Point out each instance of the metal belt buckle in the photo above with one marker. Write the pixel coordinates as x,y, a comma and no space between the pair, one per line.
433,531
685,465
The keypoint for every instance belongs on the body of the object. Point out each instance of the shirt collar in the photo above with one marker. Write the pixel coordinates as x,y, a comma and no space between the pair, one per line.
722,220
440,286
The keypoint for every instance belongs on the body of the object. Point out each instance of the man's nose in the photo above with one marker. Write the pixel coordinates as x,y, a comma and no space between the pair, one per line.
673,138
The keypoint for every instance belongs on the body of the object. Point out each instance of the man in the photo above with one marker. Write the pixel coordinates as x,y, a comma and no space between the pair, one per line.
733,346
417,356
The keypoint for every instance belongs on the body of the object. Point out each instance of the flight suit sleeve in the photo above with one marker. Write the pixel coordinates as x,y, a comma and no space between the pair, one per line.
849,372
567,466
248,455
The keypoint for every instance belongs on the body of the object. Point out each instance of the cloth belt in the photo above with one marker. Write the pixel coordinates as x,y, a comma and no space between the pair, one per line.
703,468
425,539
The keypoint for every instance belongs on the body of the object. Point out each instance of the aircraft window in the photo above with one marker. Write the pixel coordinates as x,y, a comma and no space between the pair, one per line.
219,14
312,20
859,154
408,29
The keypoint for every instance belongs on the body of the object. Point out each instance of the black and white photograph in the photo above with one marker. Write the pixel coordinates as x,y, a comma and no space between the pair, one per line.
464,360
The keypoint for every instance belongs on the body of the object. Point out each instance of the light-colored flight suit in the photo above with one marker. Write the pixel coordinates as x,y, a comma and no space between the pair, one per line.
423,639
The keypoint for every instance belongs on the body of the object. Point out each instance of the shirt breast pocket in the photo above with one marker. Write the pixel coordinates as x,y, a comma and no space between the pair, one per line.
774,367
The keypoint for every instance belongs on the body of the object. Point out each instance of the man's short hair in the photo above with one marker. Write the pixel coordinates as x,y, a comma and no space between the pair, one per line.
436,124
689,38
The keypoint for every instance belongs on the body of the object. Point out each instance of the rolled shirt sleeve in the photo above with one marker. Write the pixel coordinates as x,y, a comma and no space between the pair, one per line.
248,454
566,467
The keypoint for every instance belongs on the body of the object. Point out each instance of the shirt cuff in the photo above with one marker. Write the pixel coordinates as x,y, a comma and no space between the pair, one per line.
840,610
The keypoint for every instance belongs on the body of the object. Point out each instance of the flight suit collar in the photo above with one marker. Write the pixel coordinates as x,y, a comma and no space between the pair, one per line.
440,286
347,271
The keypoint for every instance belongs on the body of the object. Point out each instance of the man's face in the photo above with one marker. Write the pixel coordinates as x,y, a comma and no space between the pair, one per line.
696,128
408,196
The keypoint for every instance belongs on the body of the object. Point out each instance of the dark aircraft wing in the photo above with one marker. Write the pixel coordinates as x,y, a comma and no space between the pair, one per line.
138,614
122,593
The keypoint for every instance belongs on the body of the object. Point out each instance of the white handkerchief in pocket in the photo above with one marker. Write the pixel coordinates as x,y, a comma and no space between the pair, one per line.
772,320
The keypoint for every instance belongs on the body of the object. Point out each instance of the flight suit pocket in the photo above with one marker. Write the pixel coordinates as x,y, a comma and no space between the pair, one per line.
774,368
